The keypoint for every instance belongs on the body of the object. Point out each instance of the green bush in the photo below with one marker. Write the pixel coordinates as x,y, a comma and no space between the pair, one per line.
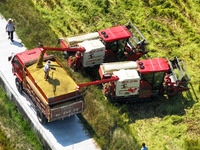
190,143
21,134
176,119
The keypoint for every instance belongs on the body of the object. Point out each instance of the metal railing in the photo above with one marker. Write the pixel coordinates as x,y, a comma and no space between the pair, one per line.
132,28
176,64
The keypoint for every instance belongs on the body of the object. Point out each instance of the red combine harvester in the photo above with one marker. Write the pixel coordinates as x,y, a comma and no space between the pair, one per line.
133,81
109,45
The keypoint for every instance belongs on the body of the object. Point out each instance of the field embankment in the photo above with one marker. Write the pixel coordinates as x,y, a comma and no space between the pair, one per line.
172,29
15,132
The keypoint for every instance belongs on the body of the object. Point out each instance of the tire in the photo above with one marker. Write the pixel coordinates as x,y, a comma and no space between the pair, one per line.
18,85
42,119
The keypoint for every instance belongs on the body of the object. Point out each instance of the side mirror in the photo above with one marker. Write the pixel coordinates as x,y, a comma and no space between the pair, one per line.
9,58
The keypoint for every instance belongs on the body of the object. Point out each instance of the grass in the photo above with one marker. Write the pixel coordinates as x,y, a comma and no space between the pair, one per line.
172,29
4,141
16,132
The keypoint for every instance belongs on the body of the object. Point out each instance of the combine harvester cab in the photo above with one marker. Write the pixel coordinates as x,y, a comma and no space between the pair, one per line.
144,79
120,43
54,99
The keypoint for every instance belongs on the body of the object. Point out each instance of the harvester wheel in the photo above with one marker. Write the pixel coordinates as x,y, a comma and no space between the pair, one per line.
42,119
18,85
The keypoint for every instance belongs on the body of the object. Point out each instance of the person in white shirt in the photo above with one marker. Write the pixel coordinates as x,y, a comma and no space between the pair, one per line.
47,69
10,28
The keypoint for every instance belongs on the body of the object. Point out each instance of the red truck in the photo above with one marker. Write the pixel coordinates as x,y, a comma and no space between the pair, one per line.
53,99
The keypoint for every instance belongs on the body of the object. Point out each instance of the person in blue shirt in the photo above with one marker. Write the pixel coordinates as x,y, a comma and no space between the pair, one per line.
144,147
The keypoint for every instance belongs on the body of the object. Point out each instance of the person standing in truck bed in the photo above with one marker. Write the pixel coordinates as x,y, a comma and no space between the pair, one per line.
47,69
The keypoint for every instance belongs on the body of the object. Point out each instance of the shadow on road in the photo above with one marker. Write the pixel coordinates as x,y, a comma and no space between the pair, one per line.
16,43
68,131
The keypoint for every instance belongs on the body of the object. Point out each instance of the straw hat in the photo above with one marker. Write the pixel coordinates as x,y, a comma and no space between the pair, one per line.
10,19
48,62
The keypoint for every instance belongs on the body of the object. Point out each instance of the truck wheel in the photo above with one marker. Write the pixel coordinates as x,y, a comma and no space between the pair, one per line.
18,85
42,119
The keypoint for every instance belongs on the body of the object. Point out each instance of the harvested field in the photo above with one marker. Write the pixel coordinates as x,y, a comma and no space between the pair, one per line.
59,82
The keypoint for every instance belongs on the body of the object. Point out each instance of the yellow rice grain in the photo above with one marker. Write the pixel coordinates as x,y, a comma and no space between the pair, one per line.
59,82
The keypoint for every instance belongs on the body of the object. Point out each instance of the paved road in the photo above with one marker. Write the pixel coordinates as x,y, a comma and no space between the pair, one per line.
67,134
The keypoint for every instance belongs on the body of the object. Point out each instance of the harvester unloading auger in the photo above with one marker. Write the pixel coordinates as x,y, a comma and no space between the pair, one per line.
44,49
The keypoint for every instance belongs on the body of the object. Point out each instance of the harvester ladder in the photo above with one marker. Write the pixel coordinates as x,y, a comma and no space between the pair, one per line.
130,27
181,71
177,65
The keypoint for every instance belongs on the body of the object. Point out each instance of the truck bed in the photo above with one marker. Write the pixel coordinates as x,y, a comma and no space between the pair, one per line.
59,82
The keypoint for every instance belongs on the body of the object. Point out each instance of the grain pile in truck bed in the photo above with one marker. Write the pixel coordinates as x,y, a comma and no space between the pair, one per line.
59,82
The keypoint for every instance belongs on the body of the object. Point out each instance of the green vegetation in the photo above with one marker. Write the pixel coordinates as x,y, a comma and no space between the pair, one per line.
15,132
172,28
4,141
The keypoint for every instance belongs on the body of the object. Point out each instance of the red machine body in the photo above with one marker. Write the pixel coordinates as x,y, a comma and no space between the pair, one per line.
143,79
120,43
114,34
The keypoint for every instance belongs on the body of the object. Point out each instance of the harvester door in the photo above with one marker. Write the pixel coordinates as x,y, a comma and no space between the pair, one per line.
155,80
145,89
158,80
118,48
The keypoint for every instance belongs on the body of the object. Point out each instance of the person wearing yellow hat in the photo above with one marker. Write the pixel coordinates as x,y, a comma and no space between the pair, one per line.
10,28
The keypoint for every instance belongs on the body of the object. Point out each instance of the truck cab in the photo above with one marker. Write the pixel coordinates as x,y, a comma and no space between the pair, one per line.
18,64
